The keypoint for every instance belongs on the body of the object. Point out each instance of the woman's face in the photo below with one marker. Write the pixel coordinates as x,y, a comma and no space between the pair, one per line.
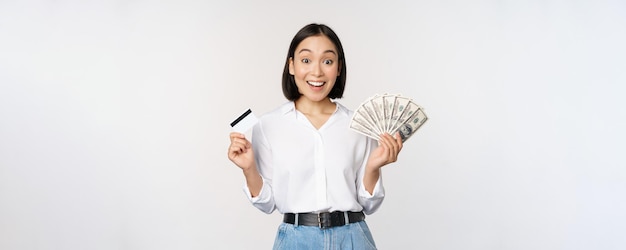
315,67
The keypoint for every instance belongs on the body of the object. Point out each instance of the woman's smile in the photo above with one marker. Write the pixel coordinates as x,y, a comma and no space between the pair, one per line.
316,83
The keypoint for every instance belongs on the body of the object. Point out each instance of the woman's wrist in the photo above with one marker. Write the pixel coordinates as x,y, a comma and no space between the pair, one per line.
371,168
250,171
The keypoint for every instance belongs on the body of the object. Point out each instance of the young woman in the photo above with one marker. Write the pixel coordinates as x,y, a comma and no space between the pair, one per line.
305,162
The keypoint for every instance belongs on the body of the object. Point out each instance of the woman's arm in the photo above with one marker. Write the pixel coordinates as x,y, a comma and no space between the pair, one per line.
240,152
386,152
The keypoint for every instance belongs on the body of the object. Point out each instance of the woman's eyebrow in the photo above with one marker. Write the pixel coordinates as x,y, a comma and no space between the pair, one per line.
304,50
308,50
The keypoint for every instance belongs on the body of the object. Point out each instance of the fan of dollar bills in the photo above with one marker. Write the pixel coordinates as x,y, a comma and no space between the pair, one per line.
388,113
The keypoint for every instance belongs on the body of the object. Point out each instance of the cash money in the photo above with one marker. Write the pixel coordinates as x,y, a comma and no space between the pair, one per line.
412,124
388,113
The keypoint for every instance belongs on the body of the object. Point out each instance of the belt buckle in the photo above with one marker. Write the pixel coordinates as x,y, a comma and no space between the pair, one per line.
323,220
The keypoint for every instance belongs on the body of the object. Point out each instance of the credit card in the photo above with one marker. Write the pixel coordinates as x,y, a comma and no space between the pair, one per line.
244,122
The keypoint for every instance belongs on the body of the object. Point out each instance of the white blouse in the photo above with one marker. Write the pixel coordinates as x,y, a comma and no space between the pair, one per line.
309,170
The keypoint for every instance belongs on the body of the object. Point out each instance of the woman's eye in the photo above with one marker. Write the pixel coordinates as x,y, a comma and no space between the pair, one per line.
328,61
306,60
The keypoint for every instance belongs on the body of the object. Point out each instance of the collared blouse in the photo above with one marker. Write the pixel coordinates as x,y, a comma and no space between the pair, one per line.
305,169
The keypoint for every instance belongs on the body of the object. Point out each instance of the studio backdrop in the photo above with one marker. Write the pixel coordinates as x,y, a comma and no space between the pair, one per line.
114,120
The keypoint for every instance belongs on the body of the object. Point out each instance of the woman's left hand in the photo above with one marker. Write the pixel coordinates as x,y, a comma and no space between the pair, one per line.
386,152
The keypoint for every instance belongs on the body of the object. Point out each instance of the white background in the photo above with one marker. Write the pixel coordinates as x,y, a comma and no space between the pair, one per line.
114,120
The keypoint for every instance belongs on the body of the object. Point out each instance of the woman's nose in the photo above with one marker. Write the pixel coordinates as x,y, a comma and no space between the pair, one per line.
317,69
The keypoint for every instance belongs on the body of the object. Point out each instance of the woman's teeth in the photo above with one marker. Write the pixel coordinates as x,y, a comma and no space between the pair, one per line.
316,84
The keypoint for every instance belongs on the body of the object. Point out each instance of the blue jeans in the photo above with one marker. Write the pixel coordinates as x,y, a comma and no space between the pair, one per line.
352,236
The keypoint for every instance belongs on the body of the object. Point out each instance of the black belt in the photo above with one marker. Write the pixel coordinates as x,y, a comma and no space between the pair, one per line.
323,220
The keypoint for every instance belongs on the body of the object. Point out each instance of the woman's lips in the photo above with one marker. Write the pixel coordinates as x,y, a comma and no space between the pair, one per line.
316,84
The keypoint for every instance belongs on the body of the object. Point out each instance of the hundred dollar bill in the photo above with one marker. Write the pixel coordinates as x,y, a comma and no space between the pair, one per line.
406,107
378,105
398,107
356,125
366,120
412,124
369,109
389,102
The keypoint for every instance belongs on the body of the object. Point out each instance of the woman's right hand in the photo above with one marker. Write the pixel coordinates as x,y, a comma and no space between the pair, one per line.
240,151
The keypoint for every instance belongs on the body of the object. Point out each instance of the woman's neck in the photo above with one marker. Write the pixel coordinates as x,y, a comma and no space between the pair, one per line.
325,106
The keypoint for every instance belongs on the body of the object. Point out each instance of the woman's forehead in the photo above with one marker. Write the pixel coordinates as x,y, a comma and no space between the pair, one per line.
316,44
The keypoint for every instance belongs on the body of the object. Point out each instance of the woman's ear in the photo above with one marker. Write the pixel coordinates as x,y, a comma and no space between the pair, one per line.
291,66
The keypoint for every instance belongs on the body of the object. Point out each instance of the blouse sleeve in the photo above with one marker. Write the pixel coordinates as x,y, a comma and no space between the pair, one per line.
369,202
263,157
